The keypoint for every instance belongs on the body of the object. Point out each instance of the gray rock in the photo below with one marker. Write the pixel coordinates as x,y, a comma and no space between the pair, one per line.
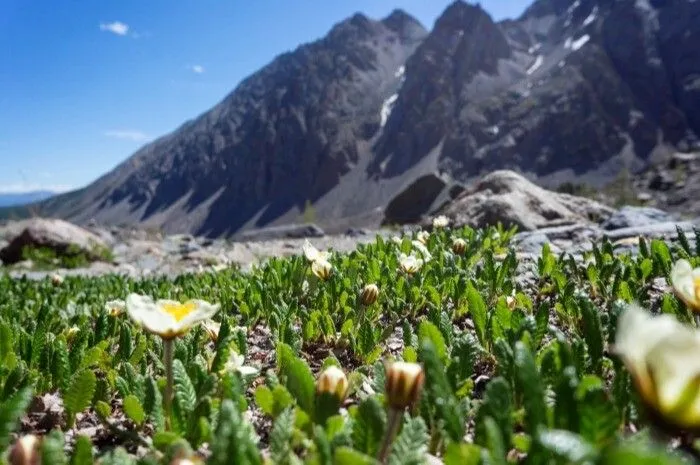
60,236
508,198
532,242
290,231
631,217
666,230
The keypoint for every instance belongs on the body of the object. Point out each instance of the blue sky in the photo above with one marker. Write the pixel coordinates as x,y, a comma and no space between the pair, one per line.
85,84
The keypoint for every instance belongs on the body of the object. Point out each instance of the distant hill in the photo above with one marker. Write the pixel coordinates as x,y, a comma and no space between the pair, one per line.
12,199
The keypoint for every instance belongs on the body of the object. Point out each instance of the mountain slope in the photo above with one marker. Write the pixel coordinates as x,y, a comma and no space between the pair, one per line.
10,199
573,90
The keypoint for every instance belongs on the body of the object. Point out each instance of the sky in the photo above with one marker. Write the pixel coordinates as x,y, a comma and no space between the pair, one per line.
83,85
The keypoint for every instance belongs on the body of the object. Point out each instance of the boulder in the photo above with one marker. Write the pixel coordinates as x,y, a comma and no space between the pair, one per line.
508,198
416,200
61,237
634,217
287,231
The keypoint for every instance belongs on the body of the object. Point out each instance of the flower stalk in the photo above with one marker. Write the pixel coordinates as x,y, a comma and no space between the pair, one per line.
392,428
168,357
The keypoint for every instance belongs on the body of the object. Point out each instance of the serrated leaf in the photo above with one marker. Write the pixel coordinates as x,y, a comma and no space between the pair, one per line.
133,409
497,405
82,451
478,312
569,446
79,394
531,388
427,331
411,446
264,400
368,427
154,404
462,454
234,440
185,394
52,449
592,333
347,456
280,437
10,413
299,379
598,416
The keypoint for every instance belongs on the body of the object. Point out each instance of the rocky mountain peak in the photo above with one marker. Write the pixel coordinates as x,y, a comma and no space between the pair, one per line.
405,25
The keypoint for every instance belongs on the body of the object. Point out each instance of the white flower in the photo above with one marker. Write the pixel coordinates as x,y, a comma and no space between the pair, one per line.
115,307
686,283
441,221
235,363
212,329
662,357
423,236
410,263
168,318
322,269
423,250
312,254
397,240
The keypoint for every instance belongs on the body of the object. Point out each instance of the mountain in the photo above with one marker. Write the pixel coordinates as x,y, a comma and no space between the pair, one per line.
11,199
571,91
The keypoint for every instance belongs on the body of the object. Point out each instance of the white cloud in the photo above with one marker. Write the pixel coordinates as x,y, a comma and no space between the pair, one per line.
116,27
134,136
199,69
24,187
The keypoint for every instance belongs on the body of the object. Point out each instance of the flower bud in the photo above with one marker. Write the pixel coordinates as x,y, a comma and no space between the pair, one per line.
56,279
441,221
26,451
322,269
369,294
333,381
404,383
459,246
423,237
212,329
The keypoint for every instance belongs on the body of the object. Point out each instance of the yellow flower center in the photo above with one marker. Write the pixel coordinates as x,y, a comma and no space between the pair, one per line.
179,311
696,285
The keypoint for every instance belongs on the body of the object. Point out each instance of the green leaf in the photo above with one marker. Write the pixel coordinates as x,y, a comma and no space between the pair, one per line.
234,439
133,409
478,312
347,456
79,394
429,332
531,388
265,400
368,427
10,413
569,446
495,441
599,418
411,446
184,392
627,454
52,449
154,404
299,379
462,454
497,405
82,452
280,438
592,333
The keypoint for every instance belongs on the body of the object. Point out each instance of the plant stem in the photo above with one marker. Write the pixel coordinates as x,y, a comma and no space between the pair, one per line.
393,426
168,360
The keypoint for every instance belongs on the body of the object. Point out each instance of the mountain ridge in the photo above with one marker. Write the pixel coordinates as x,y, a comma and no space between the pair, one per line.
561,93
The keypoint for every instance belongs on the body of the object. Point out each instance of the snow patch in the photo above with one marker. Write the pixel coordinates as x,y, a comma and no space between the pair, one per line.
400,72
578,43
536,65
591,17
534,48
387,106
575,5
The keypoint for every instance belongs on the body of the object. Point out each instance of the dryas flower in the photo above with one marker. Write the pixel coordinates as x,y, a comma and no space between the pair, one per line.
404,383
212,329
369,294
333,381
236,363
322,269
441,221
459,246
423,236
115,307
661,355
312,254
686,283
168,318
56,279
425,253
410,263
397,240
26,451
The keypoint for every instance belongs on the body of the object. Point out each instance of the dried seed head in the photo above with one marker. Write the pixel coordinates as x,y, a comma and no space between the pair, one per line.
333,381
369,294
404,383
459,246
26,451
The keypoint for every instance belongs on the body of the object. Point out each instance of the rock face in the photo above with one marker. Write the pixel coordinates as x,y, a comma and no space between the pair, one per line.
414,201
61,237
508,198
572,91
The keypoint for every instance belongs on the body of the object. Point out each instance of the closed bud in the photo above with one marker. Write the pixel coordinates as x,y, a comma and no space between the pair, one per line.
56,279
369,294
459,246
333,381
25,451
404,383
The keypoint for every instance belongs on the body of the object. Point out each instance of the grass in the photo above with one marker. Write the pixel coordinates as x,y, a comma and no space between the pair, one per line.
517,368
